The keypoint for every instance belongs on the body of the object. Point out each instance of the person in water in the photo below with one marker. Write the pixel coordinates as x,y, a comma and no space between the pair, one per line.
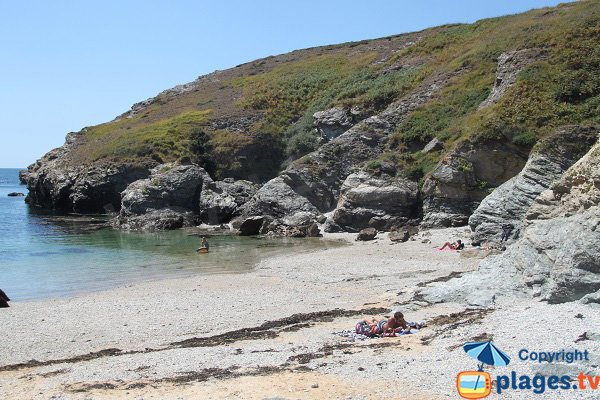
204,244
458,245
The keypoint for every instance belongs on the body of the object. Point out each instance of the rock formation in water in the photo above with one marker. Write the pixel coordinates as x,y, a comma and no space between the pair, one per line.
167,199
220,200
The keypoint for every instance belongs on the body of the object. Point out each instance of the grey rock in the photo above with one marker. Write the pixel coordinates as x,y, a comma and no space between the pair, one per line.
158,220
509,203
379,202
557,258
300,224
172,188
454,189
55,183
277,198
434,145
251,226
332,123
367,234
401,235
220,200
23,176
592,298
331,227
236,123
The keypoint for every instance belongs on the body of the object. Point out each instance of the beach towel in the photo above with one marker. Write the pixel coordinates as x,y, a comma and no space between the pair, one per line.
363,328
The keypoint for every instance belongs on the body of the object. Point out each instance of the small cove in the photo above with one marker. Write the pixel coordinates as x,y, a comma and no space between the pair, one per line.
46,256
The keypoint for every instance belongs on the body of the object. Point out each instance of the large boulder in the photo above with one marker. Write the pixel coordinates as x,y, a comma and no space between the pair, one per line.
509,203
220,200
251,226
366,234
557,258
463,178
172,188
381,202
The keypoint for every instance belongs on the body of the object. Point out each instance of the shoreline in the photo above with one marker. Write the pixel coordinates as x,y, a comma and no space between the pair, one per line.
268,331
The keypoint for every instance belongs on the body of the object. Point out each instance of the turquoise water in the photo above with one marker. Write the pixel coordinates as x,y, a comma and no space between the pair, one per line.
44,255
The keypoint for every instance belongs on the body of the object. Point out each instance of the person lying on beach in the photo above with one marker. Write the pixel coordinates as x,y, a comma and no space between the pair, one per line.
385,327
458,245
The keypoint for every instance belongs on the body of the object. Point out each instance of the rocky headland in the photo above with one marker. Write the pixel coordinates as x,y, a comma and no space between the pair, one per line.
429,129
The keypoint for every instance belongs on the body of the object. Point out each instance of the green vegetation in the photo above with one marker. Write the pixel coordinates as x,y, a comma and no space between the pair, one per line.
201,149
280,94
561,88
163,140
291,93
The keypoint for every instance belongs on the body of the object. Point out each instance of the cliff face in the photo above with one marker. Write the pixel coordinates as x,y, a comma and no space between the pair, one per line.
556,258
510,202
431,122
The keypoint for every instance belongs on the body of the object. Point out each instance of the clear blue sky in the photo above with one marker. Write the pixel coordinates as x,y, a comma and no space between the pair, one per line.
69,64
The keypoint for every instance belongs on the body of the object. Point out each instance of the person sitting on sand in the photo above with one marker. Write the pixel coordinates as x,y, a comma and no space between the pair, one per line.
386,327
458,245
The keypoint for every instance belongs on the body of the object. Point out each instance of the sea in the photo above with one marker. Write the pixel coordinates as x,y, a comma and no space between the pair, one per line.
48,255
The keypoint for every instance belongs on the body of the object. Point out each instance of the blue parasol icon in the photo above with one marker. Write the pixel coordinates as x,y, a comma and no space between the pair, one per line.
486,353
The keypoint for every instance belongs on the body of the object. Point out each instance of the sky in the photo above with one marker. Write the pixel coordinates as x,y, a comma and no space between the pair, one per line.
65,64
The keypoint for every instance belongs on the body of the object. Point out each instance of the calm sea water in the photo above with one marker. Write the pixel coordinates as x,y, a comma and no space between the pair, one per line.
44,255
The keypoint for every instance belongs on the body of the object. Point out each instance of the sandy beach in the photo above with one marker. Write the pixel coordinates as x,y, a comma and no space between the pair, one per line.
271,333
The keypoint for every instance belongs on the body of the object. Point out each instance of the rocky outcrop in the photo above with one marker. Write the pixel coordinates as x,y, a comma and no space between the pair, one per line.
251,226
23,175
220,200
509,203
454,189
312,184
54,183
332,123
509,66
167,199
380,202
557,258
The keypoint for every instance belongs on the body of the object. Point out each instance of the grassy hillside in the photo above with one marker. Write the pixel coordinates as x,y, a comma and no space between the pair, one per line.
249,120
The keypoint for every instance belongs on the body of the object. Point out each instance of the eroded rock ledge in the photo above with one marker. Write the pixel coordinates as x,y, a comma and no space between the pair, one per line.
557,258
